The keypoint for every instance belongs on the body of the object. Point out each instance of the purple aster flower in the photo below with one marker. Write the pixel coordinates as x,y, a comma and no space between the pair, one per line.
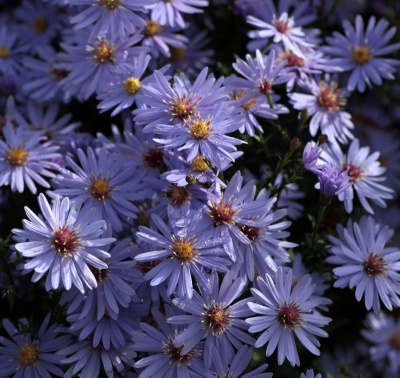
10,51
118,17
25,158
204,135
324,105
310,374
86,361
28,355
383,332
91,67
62,243
361,52
312,152
174,104
215,317
166,359
365,173
170,12
282,25
103,184
366,263
332,180
238,364
8,85
285,312
184,251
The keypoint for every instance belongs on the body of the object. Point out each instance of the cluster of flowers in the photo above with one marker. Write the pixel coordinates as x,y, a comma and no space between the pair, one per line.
166,258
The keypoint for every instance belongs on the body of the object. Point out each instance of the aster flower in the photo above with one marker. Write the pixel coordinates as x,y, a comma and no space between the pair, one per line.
63,244
170,13
285,312
215,317
28,355
204,135
365,173
102,184
366,263
310,374
10,51
174,104
184,252
167,360
324,105
25,158
282,25
118,17
311,153
332,180
361,52
383,332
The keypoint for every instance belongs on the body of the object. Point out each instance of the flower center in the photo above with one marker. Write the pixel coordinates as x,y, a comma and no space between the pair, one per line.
174,353
65,240
182,108
28,354
40,24
199,164
59,73
152,28
222,213
354,172
17,156
217,319
293,60
200,129
289,316
252,233
179,195
361,55
4,52
280,25
184,250
178,54
100,189
394,340
109,4
132,85
104,52
329,97
374,265
100,274
153,158
265,87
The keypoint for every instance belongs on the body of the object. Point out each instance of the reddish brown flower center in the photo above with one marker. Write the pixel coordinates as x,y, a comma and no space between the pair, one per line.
175,356
251,232
222,213
153,158
103,52
265,87
149,265
289,316
329,97
281,26
17,156
59,74
179,195
100,274
394,340
109,4
183,249
374,265
40,24
178,54
293,60
354,172
65,240
182,108
217,319
28,354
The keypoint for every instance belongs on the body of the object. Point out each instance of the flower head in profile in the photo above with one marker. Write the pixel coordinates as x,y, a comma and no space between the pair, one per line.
285,312
361,52
25,158
63,243
332,180
366,263
31,355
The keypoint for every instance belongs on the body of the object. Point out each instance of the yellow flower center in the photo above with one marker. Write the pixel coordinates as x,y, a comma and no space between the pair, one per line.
183,249
104,52
17,156
40,24
200,129
132,85
100,189
109,4
199,164
28,354
4,52
152,28
361,55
